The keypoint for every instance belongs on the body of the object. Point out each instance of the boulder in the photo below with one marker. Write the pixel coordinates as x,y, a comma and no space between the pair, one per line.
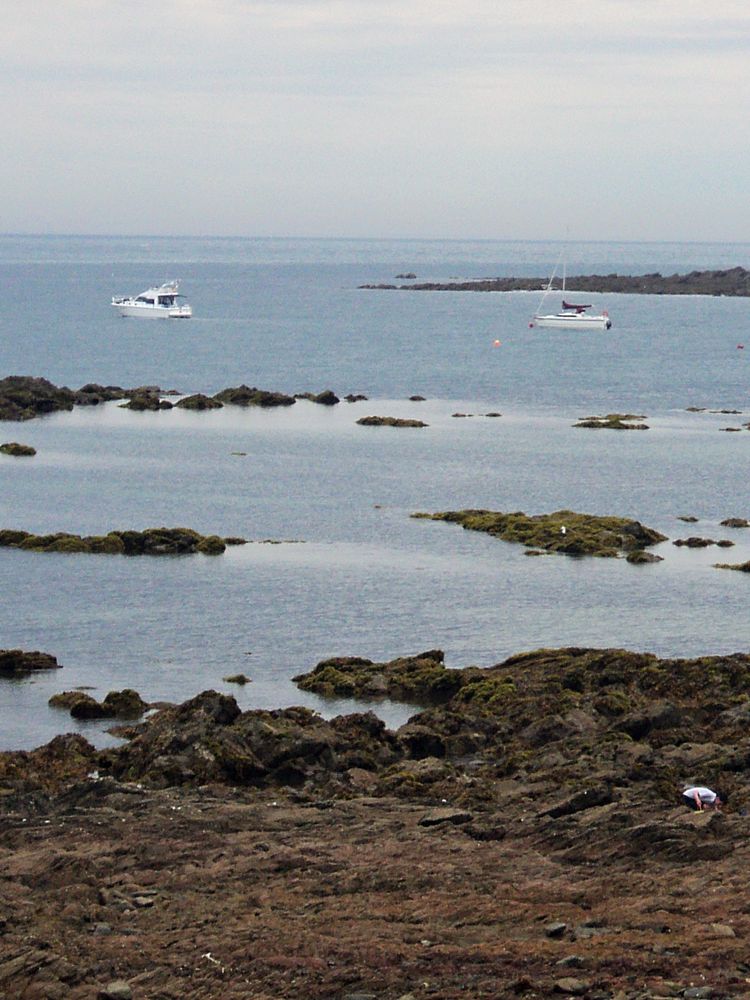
17,450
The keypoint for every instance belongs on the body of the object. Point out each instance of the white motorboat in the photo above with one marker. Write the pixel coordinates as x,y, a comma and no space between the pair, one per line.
155,303
572,315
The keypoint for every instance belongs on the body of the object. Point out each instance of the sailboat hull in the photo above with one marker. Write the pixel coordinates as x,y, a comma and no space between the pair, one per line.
573,321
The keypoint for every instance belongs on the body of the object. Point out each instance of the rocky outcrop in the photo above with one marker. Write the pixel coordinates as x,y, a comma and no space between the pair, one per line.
733,281
326,398
390,422
126,704
422,678
563,531
17,450
244,395
141,401
17,663
199,402
151,542
614,422
23,397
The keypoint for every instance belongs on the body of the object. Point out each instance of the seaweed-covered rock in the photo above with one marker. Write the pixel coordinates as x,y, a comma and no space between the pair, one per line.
147,401
421,678
126,704
615,422
17,450
17,663
390,422
243,395
563,531
152,542
93,394
326,398
23,397
198,401
641,557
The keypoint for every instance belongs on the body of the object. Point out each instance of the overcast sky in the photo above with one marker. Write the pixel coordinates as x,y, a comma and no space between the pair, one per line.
529,119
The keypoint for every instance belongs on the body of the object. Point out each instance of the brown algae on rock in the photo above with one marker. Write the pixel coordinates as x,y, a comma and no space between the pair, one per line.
151,542
563,531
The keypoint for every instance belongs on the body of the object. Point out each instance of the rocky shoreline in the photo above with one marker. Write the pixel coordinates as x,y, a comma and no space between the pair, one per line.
521,837
733,282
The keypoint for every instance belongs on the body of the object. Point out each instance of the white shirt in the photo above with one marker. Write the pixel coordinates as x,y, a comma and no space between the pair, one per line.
704,794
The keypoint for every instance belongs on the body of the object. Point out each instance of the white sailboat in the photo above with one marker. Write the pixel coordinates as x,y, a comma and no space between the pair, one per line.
572,315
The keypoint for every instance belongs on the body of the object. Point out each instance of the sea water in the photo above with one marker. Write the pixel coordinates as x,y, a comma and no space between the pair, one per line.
335,564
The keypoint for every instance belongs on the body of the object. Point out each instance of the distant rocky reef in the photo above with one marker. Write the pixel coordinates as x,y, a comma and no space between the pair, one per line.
563,531
23,397
17,663
734,281
151,542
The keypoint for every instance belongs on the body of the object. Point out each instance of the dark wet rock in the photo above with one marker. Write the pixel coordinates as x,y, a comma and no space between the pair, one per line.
733,281
735,522
407,276
152,541
244,395
493,413
555,929
355,397
93,394
23,397
639,556
17,450
441,816
688,518
235,540
198,401
126,704
587,798
147,401
563,531
694,542
17,663
419,678
390,422
416,399
241,679
614,421
325,398
743,567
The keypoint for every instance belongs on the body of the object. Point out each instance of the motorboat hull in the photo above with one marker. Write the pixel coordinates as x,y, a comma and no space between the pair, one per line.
573,321
153,312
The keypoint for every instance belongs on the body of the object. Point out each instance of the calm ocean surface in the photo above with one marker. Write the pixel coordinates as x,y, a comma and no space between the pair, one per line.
357,575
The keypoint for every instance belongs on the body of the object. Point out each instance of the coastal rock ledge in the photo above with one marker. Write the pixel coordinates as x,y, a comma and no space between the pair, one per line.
733,281
527,825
